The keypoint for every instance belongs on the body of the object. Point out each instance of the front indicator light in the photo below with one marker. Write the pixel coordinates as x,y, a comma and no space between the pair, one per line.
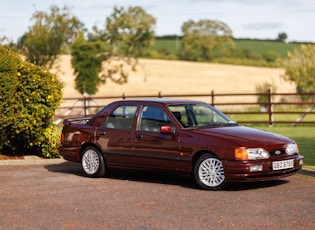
241,153
255,168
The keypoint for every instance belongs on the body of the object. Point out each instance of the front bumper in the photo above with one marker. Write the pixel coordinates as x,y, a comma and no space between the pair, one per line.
240,170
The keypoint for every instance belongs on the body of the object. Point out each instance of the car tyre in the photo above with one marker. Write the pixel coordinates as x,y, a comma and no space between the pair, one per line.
93,163
209,172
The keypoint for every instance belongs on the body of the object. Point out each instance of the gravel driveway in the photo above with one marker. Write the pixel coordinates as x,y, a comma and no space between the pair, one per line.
59,197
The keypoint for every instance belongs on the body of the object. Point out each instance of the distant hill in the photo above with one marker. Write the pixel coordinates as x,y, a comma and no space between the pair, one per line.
171,44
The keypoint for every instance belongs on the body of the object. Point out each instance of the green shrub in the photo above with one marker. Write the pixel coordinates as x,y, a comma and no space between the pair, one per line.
29,97
263,88
160,54
51,141
270,56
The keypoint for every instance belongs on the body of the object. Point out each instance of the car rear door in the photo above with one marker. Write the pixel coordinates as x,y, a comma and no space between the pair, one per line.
114,136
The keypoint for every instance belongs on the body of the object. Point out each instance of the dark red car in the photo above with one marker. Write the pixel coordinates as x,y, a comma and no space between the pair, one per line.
177,135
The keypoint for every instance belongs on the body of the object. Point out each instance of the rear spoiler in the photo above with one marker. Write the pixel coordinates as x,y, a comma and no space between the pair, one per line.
76,119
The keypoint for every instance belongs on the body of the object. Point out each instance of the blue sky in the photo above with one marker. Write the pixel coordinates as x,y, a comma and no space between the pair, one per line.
262,19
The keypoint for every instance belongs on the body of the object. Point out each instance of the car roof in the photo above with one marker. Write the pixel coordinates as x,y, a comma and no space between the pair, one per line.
166,101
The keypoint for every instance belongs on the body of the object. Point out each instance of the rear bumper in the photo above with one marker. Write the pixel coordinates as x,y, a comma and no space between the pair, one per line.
240,171
70,153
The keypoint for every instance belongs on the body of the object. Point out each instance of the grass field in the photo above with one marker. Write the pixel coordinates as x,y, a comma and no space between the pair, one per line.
258,47
304,137
170,45
254,46
290,117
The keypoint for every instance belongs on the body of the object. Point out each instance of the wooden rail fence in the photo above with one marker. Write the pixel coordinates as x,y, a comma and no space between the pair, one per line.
233,104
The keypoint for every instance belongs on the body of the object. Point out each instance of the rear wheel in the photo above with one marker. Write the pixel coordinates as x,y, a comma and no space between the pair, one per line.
93,163
209,172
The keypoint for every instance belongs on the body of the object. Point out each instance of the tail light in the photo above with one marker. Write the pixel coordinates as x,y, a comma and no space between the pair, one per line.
62,138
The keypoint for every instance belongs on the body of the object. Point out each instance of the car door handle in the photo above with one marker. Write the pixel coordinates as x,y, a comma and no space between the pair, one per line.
102,133
139,135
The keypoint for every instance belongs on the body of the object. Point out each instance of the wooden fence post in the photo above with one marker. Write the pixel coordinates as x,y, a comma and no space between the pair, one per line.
270,108
84,105
212,97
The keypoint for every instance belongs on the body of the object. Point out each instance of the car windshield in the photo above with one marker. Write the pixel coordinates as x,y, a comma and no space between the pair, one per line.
199,116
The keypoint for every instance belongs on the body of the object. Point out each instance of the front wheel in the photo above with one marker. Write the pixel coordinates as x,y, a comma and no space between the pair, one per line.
209,172
93,164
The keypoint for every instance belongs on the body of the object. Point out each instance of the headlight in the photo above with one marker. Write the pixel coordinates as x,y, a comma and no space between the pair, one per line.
292,149
242,153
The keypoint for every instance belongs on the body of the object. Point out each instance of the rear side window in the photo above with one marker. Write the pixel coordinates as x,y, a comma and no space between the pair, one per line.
122,117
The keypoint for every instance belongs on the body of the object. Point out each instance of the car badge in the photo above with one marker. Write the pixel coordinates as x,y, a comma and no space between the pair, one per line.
277,152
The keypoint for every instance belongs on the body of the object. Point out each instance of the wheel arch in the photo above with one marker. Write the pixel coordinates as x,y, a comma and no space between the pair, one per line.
89,144
198,154
212,175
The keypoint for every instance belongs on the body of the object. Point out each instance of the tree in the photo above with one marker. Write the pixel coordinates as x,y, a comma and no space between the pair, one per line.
282,37
129,31
126,33
45,39
87,64
300,68
4,41
204,39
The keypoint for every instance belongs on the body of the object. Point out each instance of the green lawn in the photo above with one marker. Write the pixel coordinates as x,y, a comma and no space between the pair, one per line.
254,46
291,115
259,47
170,45
304,137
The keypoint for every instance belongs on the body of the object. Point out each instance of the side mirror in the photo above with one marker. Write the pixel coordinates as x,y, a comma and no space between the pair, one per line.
167,129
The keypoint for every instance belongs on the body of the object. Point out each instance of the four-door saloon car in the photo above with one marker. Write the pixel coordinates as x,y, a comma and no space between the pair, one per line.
177,135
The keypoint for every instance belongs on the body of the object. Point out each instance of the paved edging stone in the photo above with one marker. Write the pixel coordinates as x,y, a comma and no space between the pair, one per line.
32,160
308,172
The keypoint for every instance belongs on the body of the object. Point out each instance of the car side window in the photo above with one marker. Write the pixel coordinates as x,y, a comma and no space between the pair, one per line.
180,113
152,118
122,117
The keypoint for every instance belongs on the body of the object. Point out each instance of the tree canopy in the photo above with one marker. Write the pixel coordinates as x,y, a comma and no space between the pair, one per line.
282,37
129,30
120,43
87,64
46,37
204,39
300,68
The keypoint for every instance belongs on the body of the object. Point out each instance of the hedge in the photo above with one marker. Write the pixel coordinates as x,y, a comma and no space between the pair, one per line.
30,94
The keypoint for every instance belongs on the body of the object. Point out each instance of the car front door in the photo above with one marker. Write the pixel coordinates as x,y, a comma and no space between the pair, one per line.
152,148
